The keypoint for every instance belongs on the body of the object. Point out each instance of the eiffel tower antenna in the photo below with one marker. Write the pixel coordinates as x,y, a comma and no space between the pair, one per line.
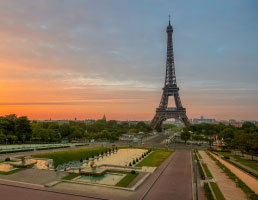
163,112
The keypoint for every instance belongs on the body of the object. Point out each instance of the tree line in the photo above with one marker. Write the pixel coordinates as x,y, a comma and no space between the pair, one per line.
244,139
15,129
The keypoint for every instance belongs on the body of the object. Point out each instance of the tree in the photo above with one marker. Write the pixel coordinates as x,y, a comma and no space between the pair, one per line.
65,130
254,143
247,125
185,135
133,130
2,136
23,128
227,135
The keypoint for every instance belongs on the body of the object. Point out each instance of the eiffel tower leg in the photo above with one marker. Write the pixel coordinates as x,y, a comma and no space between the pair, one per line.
156,123
185,120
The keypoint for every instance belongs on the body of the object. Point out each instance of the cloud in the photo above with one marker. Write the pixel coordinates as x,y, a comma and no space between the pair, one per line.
58,52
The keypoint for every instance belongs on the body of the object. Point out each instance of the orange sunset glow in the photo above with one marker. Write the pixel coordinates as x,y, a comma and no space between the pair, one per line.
66,62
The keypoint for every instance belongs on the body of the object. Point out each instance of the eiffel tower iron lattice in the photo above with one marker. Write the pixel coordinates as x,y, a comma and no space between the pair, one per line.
163,112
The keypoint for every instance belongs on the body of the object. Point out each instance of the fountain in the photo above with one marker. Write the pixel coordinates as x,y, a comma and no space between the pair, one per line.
24,163
92,170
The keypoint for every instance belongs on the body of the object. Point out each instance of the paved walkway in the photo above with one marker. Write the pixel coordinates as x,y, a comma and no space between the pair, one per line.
244,166
12,193
249,180
176,180
171,180
226,185
34,176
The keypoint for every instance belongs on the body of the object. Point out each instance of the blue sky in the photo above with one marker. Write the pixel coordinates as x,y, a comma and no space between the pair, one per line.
108,56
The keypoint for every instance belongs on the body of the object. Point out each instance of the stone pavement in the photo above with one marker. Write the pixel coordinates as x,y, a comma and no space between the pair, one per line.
34,176
12,193
226,185
171,180
176,180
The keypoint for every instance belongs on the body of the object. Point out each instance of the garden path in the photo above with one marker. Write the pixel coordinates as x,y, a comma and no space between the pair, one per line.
226,185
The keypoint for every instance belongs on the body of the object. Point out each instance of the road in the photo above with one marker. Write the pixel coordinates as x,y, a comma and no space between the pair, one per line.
176,180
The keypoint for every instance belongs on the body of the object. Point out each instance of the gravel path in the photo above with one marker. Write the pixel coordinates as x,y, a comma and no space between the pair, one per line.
226,185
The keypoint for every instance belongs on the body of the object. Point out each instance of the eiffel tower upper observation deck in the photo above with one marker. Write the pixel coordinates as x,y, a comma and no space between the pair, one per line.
163,112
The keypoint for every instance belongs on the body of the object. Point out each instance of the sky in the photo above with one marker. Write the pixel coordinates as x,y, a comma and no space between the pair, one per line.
62,59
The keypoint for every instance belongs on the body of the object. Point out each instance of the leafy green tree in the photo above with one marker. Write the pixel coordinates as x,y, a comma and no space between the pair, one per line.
248,125
2,136
23,128
133,130
65,130
185,135
227,135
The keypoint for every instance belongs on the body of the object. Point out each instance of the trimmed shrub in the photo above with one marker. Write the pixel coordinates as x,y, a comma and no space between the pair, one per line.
81,160
133,172
137,160
130,164
134,162
7,159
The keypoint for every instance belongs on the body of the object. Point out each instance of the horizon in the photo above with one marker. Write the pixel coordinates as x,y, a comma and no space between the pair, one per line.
61,60
100,118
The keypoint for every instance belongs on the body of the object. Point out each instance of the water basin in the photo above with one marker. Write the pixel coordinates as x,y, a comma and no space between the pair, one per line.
107,178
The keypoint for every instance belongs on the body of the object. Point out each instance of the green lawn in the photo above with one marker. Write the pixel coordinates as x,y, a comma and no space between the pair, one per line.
122,183
71,176
247,162
155,158
198,154
207,191
127,180
72,155
118,172
11,172
217,191
207,171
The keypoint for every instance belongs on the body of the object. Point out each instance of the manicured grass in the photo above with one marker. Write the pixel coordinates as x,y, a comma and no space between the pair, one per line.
201,173
127,180
207,171
207,191
217,191
198,154
72,155
155,158
238,181
71,176
118,172
11,172
247,162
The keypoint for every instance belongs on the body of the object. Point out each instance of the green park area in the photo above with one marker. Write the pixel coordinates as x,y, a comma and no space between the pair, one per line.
155,158
217,191
130,176
245,161
72,155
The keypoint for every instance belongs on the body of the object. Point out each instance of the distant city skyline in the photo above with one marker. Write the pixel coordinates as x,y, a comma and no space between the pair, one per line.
83,59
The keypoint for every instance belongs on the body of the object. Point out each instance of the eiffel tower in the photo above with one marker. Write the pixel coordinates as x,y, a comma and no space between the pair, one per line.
163,112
